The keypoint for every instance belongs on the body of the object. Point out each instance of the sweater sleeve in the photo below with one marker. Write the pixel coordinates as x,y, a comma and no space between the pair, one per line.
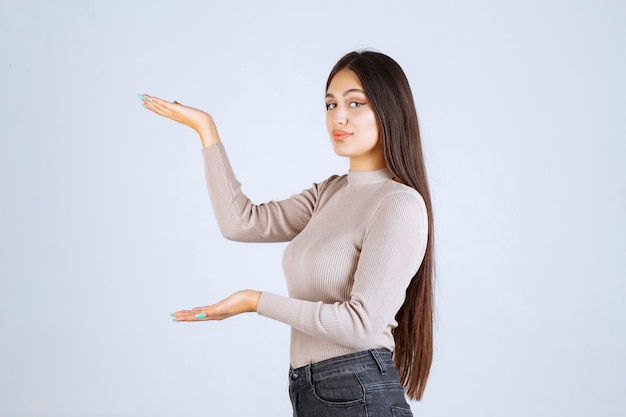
391,253
241,220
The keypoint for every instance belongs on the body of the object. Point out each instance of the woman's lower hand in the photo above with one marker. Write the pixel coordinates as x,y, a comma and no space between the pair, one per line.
196,119
245,301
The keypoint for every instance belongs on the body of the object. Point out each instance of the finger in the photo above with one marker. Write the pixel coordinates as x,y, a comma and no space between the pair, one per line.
157,101
155,104
160,102
168,110
191,316
147,99
149,102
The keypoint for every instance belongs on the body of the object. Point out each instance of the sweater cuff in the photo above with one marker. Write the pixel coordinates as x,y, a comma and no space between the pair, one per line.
265,303
277,307
212,149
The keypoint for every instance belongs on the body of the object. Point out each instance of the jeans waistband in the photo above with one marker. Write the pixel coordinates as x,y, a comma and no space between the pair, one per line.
374,358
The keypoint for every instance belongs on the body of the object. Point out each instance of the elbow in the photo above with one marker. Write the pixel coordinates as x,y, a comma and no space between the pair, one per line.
364,330
229,235
362,339
241,233
235,234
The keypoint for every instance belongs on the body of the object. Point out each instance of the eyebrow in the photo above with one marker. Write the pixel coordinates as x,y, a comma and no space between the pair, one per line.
345,93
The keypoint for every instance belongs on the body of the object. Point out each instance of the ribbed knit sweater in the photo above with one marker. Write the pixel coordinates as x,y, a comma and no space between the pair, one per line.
356,240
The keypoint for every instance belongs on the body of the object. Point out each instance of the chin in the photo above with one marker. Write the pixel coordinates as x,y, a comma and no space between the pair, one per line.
341,152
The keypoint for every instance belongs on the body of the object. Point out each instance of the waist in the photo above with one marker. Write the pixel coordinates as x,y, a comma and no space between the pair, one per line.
355,362
306,349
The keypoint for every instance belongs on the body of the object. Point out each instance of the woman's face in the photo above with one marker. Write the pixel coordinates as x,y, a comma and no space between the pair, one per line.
352,124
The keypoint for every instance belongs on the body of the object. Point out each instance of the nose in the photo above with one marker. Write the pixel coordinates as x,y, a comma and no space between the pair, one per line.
339,117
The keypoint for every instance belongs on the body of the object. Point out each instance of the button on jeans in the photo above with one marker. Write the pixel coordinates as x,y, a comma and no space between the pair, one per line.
363,384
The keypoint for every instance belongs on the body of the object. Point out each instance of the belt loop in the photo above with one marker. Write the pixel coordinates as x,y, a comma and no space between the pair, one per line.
309,380
379,361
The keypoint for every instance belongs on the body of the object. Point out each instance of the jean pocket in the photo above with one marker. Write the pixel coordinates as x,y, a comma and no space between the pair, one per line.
340,390
401,412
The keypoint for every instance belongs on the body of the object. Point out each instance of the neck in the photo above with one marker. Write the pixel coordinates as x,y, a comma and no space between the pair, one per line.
369,165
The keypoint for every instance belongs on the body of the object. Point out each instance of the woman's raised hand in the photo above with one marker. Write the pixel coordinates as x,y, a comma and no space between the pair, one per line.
245,301
196,119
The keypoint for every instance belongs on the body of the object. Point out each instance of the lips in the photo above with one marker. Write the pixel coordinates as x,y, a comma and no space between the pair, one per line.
340,134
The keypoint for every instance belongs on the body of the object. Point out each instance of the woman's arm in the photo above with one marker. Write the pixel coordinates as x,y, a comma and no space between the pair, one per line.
389,258
239,219
390,255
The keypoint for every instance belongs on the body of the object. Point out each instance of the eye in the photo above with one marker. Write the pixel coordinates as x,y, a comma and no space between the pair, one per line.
330,106
355,104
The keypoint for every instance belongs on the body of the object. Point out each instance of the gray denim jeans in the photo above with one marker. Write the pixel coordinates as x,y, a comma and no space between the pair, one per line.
363,384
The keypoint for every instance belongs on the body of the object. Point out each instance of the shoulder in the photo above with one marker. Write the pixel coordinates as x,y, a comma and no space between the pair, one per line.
402,205
398,194
399,220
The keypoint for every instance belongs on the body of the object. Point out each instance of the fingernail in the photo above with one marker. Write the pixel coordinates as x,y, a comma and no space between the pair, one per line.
148,98
200,316
143,105
172,315
140,96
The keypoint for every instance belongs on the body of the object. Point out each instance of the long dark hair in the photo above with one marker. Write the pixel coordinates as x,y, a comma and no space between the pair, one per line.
389,93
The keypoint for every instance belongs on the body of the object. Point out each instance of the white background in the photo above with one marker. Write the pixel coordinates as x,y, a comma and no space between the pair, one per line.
106,227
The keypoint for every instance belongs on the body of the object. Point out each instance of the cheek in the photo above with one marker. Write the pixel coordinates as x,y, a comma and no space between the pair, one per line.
370,123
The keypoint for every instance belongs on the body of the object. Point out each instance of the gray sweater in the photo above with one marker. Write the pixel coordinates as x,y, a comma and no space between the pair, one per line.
356,241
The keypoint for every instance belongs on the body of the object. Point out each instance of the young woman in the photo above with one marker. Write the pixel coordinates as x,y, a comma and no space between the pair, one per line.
359,265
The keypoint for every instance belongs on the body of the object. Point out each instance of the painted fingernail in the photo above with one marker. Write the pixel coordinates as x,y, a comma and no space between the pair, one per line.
143,105
147,98
173,315
200,316
140,96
